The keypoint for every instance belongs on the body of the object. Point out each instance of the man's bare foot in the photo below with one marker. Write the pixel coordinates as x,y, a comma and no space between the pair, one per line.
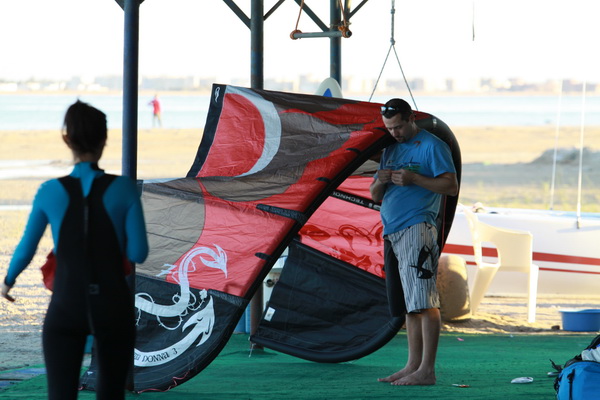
398,375
417,378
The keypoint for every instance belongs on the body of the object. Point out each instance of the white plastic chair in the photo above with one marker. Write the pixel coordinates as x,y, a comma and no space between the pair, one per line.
514,254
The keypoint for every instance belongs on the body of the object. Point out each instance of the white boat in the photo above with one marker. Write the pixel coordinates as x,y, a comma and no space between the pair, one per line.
566,247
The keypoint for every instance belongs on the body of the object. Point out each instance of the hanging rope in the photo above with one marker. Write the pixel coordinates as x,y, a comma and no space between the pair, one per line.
296,30
345,26
473,21
554,159
581,136
393,46
581,144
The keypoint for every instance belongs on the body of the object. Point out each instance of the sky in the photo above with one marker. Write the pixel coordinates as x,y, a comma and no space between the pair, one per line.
530,39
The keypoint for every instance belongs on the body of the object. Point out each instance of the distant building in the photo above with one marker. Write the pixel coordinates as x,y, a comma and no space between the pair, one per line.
351,86
110,82
9,86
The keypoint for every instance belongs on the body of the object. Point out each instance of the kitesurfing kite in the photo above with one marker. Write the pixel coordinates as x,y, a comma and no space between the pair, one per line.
273,171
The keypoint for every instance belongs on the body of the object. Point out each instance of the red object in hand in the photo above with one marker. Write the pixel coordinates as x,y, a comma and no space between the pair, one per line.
49,270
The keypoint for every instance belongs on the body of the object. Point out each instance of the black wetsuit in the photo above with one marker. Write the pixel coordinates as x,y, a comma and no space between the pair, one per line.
90,296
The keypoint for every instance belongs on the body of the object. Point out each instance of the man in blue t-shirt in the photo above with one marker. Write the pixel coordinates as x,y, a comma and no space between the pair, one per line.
414,173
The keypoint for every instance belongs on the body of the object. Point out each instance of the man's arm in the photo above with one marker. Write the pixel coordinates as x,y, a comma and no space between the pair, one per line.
445,183
379,184
377,190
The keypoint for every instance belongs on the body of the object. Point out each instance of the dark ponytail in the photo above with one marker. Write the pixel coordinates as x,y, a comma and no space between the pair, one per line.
85,128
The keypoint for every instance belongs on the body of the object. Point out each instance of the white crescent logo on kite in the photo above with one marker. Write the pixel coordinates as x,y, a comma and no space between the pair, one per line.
272,123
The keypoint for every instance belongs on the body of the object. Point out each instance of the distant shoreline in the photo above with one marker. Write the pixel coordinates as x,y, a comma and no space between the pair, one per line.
348,95
455,128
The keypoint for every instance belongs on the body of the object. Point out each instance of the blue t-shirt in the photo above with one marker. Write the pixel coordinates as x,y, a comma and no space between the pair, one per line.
404,206
122,203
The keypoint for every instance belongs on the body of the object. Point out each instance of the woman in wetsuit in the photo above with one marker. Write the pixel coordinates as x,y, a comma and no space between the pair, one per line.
96,221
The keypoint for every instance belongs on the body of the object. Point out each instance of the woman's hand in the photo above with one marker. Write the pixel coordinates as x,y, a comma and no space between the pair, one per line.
4,292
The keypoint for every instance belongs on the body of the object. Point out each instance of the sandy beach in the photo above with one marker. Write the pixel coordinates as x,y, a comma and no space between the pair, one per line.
502,167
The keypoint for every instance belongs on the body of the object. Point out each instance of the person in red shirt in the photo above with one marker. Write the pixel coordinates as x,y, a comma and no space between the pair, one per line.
155,111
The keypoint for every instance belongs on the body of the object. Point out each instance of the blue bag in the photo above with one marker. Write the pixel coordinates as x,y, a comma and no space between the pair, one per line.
579,379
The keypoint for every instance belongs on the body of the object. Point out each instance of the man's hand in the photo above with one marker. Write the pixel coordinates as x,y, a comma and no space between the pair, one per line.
4,292
403,177
384,175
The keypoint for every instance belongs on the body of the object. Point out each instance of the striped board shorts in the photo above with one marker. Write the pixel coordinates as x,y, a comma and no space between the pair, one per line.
417,253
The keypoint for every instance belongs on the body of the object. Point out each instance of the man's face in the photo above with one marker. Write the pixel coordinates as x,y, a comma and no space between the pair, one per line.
401,130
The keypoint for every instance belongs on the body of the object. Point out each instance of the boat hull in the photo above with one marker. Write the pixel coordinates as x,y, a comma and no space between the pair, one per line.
567,251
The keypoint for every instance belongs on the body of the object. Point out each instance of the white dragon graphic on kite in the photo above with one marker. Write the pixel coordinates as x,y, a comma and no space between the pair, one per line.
184,303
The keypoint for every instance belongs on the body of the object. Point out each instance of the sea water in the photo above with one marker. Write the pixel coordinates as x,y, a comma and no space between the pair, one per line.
45,111
509,110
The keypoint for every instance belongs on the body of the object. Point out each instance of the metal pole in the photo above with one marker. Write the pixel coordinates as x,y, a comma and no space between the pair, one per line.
256,82
335,44
130,99
328,34
130,88
256,45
